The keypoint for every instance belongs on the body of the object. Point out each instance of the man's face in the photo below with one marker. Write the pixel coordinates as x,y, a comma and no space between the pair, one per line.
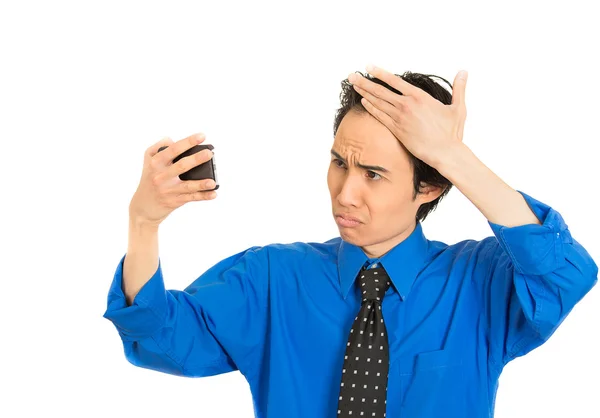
382,201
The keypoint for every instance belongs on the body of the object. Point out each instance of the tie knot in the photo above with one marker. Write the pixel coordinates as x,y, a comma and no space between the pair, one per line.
373,282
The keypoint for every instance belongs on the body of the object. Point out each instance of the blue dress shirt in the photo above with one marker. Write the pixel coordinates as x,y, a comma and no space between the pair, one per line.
281,315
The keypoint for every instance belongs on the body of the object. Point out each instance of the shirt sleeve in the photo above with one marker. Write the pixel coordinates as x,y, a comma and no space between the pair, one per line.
216,325
534,276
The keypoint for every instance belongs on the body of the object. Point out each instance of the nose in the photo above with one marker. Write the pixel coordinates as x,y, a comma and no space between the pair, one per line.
350,193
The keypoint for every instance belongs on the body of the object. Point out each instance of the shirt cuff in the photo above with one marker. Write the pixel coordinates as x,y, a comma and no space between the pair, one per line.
535,249
146,314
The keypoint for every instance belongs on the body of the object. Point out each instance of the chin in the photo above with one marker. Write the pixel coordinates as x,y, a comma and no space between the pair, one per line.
351,236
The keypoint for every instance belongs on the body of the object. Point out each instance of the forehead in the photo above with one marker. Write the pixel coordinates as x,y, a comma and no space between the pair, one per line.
360,134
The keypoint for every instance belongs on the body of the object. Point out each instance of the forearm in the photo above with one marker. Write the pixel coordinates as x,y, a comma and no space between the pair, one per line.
141,260
495,199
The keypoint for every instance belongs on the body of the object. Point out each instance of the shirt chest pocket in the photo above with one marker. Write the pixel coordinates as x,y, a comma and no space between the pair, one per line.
431,383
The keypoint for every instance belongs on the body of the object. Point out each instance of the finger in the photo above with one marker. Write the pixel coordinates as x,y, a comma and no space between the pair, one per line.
193,186
189,197
165,141
383,105
169,154
382,117
189,162
395,81
377,90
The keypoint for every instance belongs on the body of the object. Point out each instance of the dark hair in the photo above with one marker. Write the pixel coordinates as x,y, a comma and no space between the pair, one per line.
422,172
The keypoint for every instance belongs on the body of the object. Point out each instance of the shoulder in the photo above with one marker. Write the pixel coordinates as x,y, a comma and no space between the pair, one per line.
463,253
300,251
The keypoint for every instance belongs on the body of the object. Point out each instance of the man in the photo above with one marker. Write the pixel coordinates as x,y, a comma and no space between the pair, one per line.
377,322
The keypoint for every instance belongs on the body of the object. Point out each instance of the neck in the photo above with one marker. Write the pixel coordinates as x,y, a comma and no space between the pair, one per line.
381,248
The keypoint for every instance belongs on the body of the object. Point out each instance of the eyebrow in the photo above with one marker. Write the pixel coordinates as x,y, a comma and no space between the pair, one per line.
366,167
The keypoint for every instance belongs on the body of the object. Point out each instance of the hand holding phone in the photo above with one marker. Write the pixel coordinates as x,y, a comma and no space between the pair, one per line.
206,170
161,189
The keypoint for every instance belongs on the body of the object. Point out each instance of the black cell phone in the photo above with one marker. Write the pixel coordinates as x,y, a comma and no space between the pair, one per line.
207,170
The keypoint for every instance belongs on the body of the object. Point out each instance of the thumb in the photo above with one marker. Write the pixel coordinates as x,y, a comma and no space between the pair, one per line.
458,89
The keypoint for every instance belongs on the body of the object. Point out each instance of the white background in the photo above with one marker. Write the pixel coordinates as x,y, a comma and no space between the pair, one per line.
86,87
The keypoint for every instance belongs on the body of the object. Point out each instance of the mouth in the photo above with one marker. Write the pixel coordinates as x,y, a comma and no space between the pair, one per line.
347,217
347,220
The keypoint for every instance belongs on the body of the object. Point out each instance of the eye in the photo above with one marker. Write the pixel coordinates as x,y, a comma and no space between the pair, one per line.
335,161
376,178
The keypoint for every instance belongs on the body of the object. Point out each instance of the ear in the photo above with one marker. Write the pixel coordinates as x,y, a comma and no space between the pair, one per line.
429,192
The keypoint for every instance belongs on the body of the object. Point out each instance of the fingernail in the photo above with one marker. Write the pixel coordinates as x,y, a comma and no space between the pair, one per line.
210,183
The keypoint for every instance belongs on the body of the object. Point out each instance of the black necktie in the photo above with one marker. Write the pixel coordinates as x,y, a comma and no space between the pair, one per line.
365,372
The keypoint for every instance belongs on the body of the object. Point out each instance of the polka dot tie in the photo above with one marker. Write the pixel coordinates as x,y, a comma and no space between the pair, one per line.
365,372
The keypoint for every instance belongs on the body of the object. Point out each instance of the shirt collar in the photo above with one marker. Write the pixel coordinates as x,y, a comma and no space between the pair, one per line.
402,263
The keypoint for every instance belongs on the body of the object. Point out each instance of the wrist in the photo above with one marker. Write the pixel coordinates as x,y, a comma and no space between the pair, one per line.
453,157
139,224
